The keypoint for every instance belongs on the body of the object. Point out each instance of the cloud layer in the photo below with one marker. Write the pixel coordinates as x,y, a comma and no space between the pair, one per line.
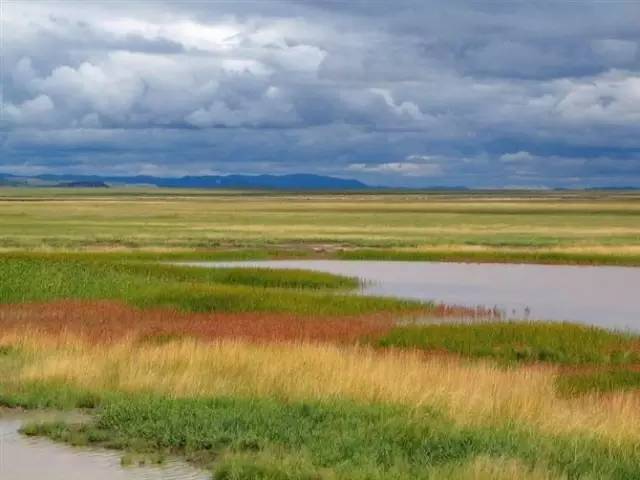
404,93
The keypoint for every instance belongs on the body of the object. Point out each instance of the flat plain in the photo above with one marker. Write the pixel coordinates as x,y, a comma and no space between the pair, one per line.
269,374
581,227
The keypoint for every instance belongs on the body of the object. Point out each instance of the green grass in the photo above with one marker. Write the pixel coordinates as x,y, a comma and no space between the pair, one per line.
581,383
493,256
41,278
268,439
562,343
506,226
254,277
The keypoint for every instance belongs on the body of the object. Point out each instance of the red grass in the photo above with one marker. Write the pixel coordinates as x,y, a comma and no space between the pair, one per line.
106,321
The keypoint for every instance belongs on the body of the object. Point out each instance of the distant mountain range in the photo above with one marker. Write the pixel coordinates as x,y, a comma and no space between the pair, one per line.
298,181
275,182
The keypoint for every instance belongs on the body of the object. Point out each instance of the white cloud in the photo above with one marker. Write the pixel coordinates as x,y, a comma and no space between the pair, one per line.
612,98
405,108
331,86
36,111
413,166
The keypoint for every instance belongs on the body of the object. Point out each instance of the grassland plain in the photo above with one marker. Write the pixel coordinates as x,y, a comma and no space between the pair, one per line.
552,227
265,374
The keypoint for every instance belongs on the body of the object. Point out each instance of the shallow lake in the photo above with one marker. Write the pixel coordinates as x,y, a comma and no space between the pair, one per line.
27,458
603,296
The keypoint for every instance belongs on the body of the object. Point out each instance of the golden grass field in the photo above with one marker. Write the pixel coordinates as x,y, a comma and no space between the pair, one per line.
473,393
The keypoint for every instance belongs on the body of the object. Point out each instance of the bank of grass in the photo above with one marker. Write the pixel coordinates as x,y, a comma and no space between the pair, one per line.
599,381
316,411
510,342
506,254
597,255
251,438
159,269
31,278
472,393
254,277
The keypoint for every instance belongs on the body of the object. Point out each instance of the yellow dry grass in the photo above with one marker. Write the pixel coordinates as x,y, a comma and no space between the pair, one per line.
173,219
477,393
576,249
490,468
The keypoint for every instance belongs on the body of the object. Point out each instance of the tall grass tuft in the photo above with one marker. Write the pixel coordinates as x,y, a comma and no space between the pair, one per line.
563,343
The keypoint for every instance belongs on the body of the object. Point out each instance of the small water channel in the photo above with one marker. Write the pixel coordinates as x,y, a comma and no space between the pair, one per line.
604,296
27,458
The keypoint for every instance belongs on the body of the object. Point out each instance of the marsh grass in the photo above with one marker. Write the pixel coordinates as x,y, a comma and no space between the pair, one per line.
255,438
478,393
35,278
254,277
499,254
103,322
318,411
511,342
603,381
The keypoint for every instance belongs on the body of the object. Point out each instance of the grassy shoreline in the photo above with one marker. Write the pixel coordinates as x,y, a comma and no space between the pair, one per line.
266,439
524,257
32,278
463,256
289,421
303,410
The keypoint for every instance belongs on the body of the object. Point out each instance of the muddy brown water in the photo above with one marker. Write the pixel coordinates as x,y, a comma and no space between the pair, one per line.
30,458
598,295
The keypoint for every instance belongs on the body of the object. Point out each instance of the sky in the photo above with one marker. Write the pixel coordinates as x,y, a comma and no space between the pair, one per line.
402,93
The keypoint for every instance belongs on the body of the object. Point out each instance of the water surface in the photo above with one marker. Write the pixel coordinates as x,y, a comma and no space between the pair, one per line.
31,458
597,295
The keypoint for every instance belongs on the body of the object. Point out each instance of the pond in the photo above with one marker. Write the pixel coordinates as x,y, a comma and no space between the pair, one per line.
27,458
597,295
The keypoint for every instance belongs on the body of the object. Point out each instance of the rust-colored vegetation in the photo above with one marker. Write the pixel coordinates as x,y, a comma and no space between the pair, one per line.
108,321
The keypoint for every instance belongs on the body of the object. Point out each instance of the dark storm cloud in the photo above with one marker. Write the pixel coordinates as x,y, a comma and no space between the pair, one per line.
404,93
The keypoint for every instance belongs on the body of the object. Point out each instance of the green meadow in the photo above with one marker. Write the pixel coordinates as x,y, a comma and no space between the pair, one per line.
34,278
552,227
